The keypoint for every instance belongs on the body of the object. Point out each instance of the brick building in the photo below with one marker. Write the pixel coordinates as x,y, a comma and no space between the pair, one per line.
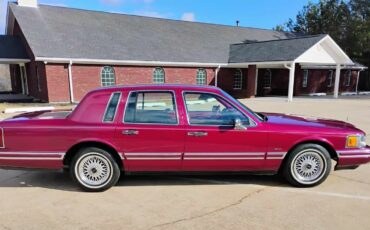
57,54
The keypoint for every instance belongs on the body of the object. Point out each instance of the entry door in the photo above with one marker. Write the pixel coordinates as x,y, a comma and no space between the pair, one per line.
24,82
213,144
150,136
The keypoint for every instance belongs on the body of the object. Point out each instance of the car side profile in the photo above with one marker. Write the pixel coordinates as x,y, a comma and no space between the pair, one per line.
176,128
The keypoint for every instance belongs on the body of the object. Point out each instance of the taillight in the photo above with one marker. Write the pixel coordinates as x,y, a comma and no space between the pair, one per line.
2,144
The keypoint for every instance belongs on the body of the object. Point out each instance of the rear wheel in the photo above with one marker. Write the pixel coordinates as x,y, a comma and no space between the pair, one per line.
94,169
307,165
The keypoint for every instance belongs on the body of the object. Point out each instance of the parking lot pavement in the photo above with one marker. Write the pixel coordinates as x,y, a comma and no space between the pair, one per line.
49,200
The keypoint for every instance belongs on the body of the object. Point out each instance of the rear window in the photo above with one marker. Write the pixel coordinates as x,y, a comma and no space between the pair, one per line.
151,108
111,110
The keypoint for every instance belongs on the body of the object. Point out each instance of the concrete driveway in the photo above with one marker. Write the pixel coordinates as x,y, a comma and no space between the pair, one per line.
49,200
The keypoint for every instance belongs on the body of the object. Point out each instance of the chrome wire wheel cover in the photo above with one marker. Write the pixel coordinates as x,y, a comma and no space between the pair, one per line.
308,166
93,170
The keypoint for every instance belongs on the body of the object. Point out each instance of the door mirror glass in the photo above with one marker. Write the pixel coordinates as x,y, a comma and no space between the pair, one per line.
238,124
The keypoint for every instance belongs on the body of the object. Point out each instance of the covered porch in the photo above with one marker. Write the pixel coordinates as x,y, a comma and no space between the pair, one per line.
291,55
14,55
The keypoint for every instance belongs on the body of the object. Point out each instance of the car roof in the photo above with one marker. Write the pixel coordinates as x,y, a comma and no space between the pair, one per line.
157,87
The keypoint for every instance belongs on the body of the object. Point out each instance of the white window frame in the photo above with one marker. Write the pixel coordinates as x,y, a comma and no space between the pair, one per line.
269,76
330,76
305,78
348,78
155,77
238,85
201,78
105,75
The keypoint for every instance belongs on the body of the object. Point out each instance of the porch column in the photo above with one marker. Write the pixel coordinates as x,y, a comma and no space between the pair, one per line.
337,79
251,81
291,81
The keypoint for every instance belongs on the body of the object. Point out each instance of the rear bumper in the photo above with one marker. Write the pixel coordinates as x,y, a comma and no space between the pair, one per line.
353,157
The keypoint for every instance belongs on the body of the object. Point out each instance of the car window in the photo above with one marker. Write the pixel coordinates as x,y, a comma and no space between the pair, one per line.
110,112
151,108
209,109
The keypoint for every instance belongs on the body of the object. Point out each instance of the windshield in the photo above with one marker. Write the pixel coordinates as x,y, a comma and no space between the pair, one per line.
256,115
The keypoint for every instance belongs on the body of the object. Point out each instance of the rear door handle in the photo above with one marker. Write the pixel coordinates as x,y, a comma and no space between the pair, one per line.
198,134
130,132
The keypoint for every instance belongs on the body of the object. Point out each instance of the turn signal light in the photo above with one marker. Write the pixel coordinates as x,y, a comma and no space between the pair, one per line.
352,141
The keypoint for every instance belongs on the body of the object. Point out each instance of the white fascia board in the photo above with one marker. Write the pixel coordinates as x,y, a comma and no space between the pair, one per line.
246,64
127,62
326,58
13,61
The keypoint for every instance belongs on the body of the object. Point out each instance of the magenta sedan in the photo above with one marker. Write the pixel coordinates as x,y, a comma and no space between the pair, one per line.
177,128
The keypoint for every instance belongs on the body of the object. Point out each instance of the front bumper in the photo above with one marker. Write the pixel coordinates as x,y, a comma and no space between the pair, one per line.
353,157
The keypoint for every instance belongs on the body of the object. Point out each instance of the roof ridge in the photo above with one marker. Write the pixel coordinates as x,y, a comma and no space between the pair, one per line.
158,18
282,39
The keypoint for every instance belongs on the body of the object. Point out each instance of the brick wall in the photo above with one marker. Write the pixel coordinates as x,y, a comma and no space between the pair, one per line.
57,82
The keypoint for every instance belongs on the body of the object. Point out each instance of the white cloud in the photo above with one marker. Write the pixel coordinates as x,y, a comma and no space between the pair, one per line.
188,16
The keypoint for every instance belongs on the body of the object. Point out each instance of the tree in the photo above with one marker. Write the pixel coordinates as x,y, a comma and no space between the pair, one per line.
347,22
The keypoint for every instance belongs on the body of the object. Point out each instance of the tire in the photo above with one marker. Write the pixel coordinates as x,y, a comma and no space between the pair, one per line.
307,165
94,169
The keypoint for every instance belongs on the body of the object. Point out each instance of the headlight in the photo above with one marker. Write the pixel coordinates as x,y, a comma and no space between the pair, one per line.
356,141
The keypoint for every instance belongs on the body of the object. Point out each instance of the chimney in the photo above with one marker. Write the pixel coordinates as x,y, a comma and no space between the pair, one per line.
27,3
237,23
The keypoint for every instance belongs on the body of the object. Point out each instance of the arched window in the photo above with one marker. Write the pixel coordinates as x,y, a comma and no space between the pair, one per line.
267,79
329,78
158,76
348,78
107,76
201,77
237,83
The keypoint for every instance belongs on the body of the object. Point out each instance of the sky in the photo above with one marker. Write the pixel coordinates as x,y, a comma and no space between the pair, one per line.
251,13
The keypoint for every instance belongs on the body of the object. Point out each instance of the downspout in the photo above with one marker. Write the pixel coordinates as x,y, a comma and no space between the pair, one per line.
216,74
70,81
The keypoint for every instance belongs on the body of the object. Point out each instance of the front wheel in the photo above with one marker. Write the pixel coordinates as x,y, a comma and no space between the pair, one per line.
307,165
94,169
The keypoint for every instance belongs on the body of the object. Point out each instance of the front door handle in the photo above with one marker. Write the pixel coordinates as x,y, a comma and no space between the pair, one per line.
198,134
130,132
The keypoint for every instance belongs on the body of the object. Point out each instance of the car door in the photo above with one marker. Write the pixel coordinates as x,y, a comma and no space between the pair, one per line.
150,136
213,143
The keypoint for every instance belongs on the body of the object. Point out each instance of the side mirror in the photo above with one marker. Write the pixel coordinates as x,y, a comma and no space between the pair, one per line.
238,124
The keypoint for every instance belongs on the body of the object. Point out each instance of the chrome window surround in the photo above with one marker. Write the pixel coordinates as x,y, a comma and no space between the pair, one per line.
254,124
116,109
153,91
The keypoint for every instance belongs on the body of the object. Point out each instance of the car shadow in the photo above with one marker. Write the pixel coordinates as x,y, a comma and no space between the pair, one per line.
62,181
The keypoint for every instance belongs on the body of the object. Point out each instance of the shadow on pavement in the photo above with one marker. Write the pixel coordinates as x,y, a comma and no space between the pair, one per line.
62,181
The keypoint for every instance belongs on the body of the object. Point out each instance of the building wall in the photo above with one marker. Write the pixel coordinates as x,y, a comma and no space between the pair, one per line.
318,82
88,77
226,78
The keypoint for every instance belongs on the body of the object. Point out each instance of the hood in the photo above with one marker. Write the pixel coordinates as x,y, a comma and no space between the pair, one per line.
288,119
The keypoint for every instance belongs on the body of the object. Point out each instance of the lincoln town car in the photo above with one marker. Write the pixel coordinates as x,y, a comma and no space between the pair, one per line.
176,128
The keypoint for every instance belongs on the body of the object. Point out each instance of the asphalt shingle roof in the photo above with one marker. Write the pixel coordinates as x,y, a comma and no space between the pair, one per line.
274,50
11,47
59,32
